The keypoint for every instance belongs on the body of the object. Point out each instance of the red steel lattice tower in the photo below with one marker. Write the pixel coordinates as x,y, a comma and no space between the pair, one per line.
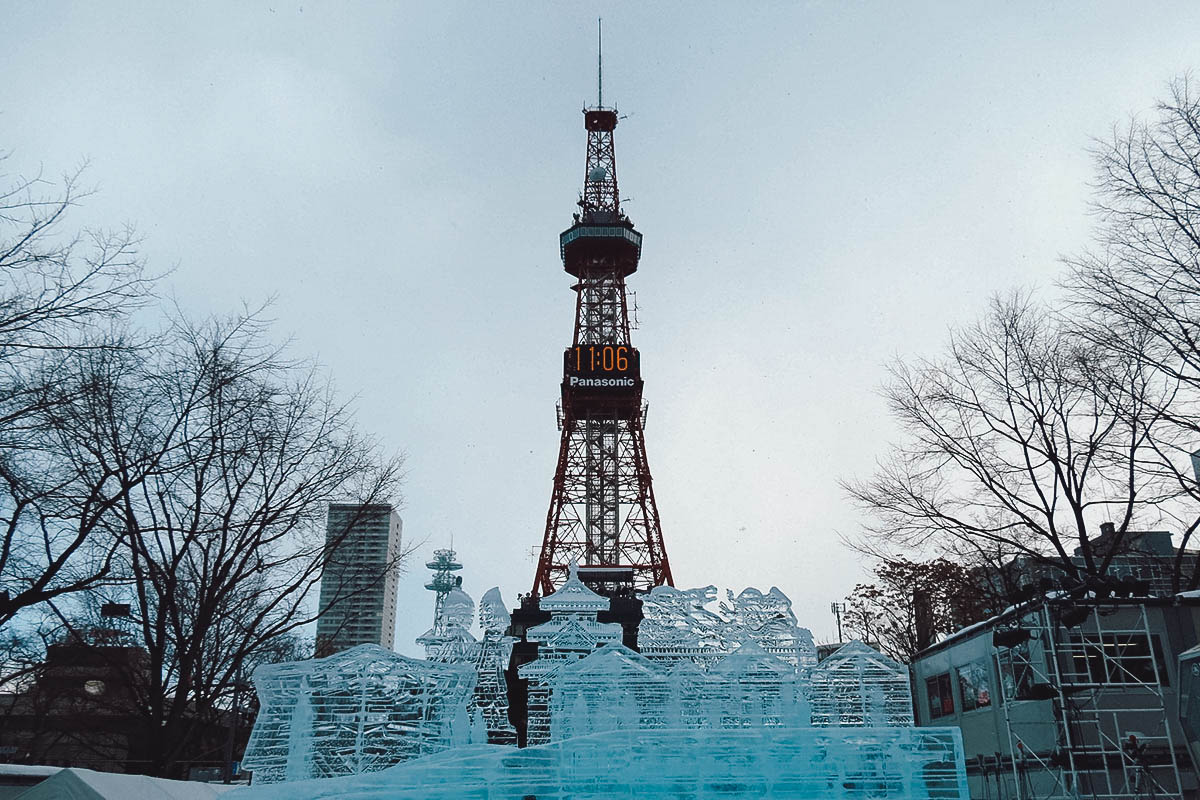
602,512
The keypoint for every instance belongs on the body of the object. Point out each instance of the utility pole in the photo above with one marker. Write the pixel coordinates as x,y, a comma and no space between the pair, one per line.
838,609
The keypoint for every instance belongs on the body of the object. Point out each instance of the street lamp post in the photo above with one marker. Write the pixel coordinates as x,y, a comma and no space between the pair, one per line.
235,719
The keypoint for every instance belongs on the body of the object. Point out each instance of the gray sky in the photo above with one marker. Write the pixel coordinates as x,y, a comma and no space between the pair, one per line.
822,186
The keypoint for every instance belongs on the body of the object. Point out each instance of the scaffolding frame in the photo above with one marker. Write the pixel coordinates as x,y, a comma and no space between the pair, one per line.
1103,677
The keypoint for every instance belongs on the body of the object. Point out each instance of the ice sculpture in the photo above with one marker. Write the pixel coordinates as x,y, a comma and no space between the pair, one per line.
769,764
859,686
702,715
615,688
450,641
612,689
491,691
753,688
493,614
690,623
571,634
357,711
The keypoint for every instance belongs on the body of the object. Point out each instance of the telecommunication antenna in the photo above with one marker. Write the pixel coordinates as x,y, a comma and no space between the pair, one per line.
599,62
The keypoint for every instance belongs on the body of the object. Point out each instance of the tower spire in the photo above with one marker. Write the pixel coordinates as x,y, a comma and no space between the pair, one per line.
599,62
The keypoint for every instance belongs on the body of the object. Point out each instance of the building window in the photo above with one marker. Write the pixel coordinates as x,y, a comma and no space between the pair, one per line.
941,701
974,686
1114,658
1017,672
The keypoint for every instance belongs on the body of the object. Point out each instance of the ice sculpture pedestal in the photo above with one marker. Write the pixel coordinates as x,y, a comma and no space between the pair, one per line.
764,764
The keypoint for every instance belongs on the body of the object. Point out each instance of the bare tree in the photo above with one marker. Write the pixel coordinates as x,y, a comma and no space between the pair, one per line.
1139,288
911,602
223,540
1019,441
62,295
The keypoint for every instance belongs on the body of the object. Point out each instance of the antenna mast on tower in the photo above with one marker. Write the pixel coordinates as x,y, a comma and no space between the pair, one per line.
599,62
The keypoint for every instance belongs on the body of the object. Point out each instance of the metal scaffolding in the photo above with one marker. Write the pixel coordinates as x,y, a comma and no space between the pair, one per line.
1100,669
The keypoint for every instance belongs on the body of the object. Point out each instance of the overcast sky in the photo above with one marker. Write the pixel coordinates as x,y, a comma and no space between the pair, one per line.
821,186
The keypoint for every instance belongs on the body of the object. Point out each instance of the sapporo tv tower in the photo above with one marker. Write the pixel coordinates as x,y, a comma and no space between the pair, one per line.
602,512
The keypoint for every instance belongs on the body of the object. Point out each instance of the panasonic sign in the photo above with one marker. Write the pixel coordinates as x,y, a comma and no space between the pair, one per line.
601,383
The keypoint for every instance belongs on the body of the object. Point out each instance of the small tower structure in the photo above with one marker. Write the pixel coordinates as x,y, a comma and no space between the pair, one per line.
602,513
448,639
443,582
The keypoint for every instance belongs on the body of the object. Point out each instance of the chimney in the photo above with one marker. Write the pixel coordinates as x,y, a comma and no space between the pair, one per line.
923,613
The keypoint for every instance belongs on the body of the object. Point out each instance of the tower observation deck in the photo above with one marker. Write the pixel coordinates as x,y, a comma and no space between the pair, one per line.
602,512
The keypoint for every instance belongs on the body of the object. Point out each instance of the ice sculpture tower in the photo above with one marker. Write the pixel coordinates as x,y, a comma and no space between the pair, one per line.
572,632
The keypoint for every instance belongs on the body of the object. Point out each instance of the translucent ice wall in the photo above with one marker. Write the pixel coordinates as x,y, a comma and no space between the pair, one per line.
762,763
357,711
615,688
858,686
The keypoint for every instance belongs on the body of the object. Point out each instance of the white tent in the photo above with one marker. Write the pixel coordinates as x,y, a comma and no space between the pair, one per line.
86,784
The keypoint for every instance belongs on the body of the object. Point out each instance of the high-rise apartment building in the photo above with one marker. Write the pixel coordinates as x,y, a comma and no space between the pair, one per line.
358,584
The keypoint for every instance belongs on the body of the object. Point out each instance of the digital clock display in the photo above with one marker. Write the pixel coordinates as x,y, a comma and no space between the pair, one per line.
601,366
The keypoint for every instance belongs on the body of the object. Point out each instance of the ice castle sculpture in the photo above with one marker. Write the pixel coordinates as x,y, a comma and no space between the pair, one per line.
572,632
700,716
615,688
705,764
357,711
690,623
859,686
